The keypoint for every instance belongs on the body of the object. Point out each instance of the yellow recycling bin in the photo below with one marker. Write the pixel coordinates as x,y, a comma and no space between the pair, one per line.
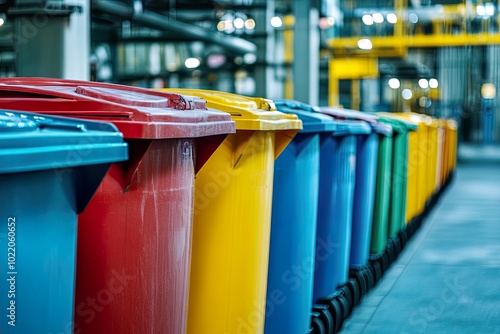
432,151
441,128
417,164
451,133
232,220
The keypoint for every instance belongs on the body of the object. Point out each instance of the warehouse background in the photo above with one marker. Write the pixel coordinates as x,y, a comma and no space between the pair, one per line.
438,57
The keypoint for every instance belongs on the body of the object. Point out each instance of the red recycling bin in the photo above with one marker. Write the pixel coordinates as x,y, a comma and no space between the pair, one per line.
134,238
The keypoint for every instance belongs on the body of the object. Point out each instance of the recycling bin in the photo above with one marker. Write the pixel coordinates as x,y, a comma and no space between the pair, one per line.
451,132
232,222
418,157
432,149
293,222
134,238
400,192
440,153
50,168
336,199
366,176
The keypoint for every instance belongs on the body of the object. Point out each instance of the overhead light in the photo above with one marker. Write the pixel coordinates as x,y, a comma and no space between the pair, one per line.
365,44
423,83
326,22
238,23
488,91
394,83
413,18
249,58
480,10
2,21
221,26
276,22
250,24
433,83
407,94
489,9
192,62
392,18
216,60
378,18
367,19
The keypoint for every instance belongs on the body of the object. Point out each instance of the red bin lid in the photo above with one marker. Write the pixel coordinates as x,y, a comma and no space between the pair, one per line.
137,112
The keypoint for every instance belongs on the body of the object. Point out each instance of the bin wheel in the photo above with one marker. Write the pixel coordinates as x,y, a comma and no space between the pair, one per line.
397,247
355,296
346,303
403,237
376,269
390,254
317,325
370,278
325,317
386,263
362,283
337,313
346,309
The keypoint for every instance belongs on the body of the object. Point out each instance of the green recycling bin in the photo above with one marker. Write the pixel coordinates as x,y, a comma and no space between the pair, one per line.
397,180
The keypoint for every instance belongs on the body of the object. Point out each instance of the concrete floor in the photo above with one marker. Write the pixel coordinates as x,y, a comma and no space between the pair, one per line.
447,279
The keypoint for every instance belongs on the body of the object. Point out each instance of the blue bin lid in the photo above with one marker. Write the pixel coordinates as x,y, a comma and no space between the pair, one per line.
33,142
373,120
312,119
348,127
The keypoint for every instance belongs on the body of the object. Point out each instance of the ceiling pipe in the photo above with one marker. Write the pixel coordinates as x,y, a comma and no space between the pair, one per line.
164,23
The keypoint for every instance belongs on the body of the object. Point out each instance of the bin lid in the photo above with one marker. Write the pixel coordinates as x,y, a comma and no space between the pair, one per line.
250,113
348,127
312,119
137,112
383,129
398,124
33,142
451,124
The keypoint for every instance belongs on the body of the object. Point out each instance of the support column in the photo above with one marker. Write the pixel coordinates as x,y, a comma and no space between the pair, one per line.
267,83
52,41
306,52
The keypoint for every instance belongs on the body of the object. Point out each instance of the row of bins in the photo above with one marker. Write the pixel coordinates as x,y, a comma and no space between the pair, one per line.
190,211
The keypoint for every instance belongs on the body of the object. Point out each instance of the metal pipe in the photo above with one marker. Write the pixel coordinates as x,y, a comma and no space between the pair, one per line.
161,22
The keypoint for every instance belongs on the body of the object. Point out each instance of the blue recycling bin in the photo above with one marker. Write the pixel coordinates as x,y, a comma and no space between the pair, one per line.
336,197
366,177
293,223
50,168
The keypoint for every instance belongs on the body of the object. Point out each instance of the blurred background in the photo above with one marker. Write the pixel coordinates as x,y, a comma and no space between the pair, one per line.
438,57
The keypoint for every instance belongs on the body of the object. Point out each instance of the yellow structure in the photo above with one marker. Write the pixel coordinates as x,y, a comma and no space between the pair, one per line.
231,231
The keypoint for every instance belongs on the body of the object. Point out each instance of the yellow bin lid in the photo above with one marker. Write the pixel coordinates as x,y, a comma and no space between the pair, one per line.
249,113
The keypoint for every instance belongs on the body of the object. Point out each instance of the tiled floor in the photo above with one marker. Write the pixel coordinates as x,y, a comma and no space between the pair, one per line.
447,279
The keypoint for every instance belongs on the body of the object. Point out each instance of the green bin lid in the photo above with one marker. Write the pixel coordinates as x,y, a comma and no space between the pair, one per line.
33,142
398,124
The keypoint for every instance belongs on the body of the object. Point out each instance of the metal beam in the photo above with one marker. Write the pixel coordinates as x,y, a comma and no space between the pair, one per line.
350,44
161,22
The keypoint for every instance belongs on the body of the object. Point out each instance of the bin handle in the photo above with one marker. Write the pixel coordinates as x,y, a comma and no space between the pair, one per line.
79,127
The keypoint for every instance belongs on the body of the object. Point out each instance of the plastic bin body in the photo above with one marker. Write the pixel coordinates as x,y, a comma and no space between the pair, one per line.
366,177
381,213
451,127
418,157
433,150
134,239
400,196
336,197
49,169
440,153
293,223
232,221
